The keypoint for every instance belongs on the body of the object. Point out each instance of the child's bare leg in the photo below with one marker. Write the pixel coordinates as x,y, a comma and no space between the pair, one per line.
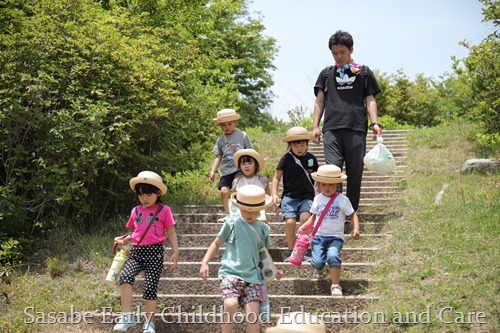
303,217
290,232
126,297
150,308
252,313
230,308
224,193
335,275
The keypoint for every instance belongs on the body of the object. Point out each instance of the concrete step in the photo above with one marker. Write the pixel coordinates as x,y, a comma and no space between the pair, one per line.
351,252
277,240
203,226
294,286
309,303
181,320
350,270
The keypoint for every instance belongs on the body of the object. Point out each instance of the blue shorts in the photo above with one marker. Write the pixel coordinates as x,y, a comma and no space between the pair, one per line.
326,250
291,208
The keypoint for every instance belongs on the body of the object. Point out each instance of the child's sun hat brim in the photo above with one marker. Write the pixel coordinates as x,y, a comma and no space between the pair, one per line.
297,133
252,153
226,115
151,178
329,174
251,198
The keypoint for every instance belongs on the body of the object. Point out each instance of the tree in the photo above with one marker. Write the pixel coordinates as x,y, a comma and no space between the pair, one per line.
482,68
92,92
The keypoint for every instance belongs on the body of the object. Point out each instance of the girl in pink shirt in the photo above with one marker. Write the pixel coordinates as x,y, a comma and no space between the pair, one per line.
149,222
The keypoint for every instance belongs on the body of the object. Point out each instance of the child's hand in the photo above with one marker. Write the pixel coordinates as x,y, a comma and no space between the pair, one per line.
211,178
355,234
300,231
174,259
279,274
204,271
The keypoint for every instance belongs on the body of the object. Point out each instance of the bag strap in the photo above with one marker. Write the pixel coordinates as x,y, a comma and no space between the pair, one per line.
323,213
255,260
158,210
297,161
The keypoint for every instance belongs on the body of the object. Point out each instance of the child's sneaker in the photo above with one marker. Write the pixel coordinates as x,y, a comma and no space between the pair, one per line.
336,290
307,256
287,259
148,327
126,321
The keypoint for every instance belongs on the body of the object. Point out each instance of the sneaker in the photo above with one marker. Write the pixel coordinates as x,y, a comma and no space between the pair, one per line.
307,256
221,220
336,290
287,258
148,327
125,322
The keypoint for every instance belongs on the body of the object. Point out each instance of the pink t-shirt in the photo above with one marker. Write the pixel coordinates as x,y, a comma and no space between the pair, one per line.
138,222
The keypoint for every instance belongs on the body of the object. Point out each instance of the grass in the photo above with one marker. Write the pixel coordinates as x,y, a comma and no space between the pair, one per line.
440,257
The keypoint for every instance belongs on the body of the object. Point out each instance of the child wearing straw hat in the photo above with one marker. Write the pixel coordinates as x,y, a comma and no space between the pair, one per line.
329,239
298,187
224,149
239,275
250,163
149,222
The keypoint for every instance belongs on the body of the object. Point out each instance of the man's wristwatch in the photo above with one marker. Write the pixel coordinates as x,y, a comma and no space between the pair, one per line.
375,123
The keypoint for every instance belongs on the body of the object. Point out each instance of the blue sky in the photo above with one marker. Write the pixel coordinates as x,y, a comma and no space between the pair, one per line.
415,36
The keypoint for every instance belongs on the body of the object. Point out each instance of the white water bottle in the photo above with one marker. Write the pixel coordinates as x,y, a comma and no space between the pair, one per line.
116,266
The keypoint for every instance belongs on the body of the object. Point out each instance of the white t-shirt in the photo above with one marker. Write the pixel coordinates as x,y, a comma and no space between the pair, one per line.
333,224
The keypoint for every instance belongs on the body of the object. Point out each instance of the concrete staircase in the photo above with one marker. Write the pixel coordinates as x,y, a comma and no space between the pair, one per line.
183,295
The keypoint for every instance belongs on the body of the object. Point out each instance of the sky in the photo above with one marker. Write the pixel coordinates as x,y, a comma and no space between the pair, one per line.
418,37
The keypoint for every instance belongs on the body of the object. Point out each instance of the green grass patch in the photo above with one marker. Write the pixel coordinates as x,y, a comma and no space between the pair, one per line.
442,260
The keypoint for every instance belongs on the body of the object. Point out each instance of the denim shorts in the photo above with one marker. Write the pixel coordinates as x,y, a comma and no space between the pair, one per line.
291,208
326,250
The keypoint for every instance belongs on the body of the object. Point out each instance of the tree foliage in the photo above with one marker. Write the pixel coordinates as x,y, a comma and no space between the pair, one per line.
92,92
482,68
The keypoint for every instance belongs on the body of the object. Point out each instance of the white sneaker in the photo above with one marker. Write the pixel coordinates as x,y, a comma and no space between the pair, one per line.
336,290
148,327
126,321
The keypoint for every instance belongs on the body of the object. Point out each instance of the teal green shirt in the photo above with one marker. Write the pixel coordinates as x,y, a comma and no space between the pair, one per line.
242,252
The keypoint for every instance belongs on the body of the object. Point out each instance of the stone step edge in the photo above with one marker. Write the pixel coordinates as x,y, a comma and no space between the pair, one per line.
283,235
191,248
274,296
278,263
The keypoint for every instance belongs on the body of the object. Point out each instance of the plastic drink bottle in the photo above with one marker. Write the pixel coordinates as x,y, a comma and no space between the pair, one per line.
116,266
300,249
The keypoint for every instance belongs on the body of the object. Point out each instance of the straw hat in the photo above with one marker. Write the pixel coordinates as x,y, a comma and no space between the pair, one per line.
151,178
251,198
226,115
252,153
298,322
329,174
297,134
